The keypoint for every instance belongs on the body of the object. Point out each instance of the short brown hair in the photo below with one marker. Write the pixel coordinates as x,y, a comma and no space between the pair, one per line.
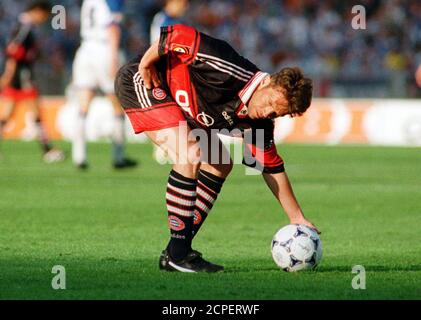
299,90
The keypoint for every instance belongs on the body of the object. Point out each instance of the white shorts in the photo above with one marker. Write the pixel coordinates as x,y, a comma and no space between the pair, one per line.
91,68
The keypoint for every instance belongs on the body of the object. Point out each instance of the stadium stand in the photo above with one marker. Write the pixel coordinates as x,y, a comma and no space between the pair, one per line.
376,62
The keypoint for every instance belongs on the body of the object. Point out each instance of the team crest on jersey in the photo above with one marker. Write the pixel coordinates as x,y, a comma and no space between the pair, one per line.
180,48
197,217
176,223
159,94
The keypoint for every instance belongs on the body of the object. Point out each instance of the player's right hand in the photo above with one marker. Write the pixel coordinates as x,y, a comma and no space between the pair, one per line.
150,77
307,223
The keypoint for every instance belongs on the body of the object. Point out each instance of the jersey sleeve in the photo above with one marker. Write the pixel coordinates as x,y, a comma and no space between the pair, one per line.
220,56
179,40
17,47
260,150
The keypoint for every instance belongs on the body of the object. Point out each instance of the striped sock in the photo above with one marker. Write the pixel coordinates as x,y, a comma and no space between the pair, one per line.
208,188
181,199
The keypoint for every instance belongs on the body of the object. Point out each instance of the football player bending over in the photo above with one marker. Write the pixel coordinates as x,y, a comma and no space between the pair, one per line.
189,76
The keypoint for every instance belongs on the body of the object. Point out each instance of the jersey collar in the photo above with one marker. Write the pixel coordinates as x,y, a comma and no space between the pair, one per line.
248,91
251,86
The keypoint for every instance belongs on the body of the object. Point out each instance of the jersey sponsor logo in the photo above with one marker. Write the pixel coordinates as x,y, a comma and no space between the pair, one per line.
180,48
228,118
159,94
176,223
205,119
182,99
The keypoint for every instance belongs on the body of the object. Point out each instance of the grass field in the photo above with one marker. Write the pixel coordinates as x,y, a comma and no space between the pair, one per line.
107,228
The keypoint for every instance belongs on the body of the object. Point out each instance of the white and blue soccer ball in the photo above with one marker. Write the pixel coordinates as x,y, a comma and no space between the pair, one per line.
296,247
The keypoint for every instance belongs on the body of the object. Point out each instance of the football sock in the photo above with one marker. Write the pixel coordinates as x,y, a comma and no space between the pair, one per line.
42,135
208,188
118,139
181,199
79,140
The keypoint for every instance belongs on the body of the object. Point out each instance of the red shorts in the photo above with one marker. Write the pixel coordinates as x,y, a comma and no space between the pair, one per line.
148,110
156,117
19,94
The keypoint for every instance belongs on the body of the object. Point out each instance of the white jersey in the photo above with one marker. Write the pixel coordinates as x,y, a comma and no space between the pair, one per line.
97,16
91,67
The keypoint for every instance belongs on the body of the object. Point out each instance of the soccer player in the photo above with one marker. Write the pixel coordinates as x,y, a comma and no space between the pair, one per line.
188,75
95,66
17,82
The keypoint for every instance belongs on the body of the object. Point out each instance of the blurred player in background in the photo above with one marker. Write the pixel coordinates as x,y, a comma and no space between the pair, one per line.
17,82
171,14
95,66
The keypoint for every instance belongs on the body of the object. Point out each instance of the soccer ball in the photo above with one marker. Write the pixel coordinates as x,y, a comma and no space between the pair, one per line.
296,247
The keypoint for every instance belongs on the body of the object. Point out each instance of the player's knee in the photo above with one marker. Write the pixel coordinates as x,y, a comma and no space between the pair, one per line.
194,157
188,170
220,169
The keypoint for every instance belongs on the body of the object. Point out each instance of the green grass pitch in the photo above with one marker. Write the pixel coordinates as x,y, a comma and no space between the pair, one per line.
107,228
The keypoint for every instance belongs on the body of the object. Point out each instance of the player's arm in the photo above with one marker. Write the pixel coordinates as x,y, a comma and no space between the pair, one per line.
264,157
147,68
15,53
179,41
114,33
261,154
8,74
281,188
